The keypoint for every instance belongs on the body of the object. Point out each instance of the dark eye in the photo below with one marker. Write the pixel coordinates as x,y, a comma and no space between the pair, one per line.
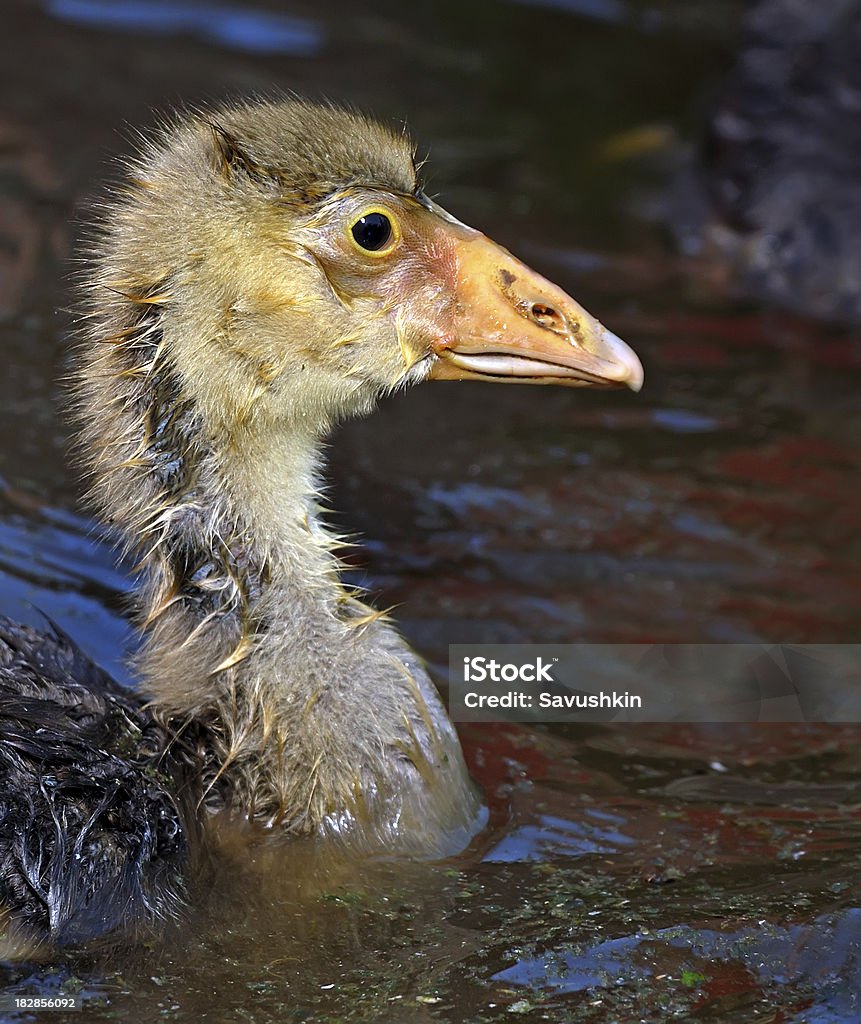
372,231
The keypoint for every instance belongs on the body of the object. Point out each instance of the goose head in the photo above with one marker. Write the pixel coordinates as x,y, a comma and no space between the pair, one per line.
265,271
306,273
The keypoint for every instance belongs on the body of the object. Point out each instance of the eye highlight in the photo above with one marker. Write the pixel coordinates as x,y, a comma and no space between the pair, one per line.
374,232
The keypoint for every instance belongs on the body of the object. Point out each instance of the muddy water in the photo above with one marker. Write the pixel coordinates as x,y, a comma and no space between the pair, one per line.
626,874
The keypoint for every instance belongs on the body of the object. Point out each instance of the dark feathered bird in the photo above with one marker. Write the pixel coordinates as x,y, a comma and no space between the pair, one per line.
263,272
91,836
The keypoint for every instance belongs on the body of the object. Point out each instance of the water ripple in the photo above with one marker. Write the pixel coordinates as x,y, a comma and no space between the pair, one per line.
231,25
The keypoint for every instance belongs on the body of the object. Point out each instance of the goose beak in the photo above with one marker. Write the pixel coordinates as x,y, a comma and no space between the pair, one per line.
511,325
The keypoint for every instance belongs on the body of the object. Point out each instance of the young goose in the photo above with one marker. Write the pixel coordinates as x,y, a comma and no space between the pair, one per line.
266,271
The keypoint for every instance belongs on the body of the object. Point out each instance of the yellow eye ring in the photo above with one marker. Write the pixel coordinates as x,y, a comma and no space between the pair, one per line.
375,232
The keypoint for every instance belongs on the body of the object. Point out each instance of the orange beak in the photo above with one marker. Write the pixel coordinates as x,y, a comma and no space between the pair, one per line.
513,326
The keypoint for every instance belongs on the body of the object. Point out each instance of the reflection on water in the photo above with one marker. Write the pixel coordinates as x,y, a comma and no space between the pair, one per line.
694,872
555,837
600,10
51,566
235,25
825,954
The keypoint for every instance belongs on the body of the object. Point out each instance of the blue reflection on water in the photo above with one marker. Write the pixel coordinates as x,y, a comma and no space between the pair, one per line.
52,566
824,955
233,25
613,11
683,421
554,836
602,965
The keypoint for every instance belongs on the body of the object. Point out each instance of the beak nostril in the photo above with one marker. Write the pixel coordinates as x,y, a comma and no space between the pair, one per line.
547,316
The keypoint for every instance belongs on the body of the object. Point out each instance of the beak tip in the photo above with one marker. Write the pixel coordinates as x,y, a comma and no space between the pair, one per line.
635,381
630,368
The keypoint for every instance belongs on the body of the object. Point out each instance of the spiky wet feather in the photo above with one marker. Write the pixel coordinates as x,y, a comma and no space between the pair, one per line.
215,356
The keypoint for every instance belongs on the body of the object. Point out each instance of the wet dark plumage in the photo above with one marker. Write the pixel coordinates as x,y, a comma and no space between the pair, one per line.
90,837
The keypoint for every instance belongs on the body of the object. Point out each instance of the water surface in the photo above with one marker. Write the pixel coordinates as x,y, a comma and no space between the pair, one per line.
699,872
